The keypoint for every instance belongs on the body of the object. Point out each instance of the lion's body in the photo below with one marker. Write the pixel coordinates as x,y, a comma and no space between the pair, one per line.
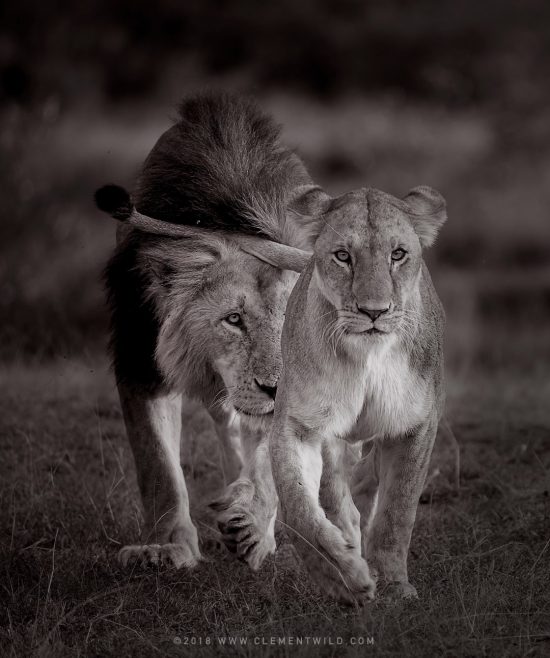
220,167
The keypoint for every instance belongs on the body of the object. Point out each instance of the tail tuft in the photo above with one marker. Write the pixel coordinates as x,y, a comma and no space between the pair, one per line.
114,200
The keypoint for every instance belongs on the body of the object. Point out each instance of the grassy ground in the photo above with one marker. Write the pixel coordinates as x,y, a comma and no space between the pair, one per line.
69,501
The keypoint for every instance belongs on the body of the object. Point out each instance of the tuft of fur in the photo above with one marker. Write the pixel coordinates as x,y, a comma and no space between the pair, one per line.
114,200
222,166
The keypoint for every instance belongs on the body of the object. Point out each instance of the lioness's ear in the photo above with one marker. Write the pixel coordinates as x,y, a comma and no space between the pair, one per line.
307,204
308,200
427,212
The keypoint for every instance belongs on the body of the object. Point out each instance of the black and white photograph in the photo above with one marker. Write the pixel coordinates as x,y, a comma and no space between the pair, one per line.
275,328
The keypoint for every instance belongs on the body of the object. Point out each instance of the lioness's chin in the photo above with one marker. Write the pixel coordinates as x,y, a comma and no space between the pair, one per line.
371,333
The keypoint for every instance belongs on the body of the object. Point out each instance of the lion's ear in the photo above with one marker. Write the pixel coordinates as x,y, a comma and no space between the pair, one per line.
307,204
427,211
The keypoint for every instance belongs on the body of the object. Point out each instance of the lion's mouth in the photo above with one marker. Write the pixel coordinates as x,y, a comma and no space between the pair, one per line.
254,414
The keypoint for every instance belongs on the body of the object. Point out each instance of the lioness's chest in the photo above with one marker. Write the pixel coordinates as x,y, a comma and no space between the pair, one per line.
396,397
386,395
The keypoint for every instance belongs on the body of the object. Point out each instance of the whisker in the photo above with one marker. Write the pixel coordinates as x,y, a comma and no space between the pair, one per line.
332,227
333,310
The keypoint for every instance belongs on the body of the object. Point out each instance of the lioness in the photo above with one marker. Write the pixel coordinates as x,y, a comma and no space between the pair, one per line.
362,365
194,311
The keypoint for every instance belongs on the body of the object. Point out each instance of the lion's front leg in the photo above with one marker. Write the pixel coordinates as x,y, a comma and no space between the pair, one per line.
228,430
402,465
153,425
332,561
248,507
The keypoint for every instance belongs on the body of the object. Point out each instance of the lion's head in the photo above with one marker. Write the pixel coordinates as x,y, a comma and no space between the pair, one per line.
368,255
221,314
220,179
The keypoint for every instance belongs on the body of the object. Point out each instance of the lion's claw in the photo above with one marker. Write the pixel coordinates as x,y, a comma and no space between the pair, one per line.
166,555
241,535
244,524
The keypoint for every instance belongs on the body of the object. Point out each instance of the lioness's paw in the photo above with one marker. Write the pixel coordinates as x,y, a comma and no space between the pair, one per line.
338,570
396,591
349,581
167,555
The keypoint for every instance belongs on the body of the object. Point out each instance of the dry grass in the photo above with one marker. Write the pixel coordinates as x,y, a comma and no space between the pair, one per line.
68,500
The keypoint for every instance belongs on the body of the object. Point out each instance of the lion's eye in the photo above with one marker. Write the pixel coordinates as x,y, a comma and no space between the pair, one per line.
234,319
342,256
398,254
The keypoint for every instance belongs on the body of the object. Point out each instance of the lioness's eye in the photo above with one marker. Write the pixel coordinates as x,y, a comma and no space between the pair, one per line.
342,256
398,254
234,318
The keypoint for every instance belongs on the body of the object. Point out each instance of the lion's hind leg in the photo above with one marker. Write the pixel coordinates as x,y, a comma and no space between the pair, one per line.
153,424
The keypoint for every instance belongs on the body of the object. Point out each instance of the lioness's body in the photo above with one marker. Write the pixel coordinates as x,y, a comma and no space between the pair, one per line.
384,388
362,355
221,167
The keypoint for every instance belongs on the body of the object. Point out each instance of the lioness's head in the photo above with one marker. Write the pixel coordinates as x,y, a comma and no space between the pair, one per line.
368,254
222,312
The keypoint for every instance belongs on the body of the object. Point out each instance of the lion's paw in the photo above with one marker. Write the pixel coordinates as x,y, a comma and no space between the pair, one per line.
245,523
167,555
242,536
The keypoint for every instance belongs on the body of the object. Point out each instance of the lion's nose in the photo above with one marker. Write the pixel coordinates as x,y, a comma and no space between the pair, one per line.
374,311
270,390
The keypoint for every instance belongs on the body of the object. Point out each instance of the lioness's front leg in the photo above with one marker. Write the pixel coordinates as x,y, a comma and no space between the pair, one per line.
335,564
248,507
153,424
339,458
402,464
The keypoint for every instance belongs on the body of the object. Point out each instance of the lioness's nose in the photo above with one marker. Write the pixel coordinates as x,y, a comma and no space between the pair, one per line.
374,311
270,390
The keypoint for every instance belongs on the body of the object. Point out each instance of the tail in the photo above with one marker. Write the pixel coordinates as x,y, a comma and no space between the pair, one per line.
115,201
222,166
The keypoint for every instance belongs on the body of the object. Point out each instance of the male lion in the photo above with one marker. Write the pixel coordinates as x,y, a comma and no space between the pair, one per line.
362,366
194,310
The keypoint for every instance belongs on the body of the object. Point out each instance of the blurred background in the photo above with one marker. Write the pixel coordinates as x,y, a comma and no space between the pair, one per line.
390,94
